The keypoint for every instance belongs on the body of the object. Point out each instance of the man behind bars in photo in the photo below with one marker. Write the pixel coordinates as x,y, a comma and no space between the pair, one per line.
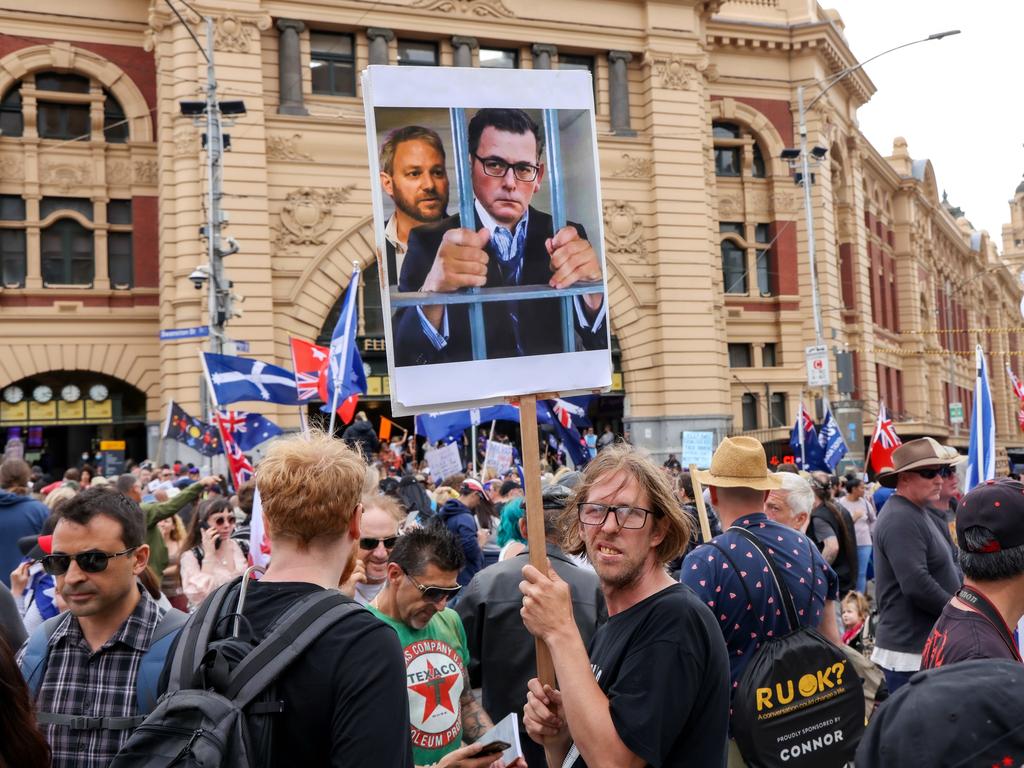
513,244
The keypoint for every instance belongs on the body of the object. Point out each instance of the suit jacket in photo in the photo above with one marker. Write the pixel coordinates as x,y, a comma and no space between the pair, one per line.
540,320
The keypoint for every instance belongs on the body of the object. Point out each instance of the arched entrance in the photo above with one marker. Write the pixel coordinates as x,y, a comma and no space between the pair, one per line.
62,417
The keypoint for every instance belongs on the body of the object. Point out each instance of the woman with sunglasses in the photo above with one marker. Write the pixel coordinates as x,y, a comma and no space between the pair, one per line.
210,556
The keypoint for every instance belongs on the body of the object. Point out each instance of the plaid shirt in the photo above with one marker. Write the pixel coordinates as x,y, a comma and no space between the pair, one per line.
79,681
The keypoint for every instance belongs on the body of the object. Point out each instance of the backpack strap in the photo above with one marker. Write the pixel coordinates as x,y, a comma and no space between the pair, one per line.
82,723
291,635
780,584
195,637
37,653
152,664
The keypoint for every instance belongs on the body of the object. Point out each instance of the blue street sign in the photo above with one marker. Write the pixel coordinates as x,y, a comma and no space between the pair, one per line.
175,334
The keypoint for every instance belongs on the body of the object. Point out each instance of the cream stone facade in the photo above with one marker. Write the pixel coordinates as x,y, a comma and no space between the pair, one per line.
696,99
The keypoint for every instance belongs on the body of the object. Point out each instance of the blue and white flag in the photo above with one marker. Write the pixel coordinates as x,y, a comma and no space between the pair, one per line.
345,375
234,379
830,438
247,428
981,455
809,455
451,424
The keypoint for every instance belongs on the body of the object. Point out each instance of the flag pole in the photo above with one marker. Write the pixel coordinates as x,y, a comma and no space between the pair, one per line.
800,433
213,416
339,380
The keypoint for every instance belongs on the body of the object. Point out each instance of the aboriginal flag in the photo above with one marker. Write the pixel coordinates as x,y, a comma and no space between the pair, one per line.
189,430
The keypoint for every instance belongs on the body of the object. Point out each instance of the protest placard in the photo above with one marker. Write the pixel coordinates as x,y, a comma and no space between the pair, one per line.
443,462
497,459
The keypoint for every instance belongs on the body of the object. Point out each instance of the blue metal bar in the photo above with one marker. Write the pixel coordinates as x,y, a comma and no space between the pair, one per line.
487,295
467,216
553,143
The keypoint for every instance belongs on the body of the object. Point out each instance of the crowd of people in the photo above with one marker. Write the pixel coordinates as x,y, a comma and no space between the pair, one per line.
395,624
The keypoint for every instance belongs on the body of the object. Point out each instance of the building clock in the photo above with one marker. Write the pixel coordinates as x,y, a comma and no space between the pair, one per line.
14,394
70,393
98,392
42,394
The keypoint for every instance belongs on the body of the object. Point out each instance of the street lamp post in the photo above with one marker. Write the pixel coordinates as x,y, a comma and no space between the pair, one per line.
818,154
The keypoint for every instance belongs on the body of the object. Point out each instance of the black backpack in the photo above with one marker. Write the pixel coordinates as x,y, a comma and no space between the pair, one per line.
219,706
800,703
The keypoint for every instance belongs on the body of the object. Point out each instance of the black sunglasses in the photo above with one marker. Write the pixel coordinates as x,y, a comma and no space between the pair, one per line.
368,543
929,473
434,594
90,562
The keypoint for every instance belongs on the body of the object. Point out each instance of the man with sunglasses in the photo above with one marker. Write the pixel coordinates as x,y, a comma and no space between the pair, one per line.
511,243
378,533
915,575
421,578
84,666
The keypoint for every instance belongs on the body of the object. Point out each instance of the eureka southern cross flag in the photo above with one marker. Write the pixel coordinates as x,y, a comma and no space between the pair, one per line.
233,379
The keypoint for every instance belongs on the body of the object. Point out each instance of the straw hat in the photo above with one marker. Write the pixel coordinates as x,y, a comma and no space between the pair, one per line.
739,462
915,454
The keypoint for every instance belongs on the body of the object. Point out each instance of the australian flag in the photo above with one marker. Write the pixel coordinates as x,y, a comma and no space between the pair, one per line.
451,424
557,413
830,439
813,458
233,379
189,430
248,429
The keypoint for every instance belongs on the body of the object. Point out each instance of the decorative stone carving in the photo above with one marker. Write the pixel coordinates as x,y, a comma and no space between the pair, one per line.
145,172
186,142
11,168
119,172
759,203
286,148
728,206
65,175
624,231
479,8
635,167
308,214
677,73
235,33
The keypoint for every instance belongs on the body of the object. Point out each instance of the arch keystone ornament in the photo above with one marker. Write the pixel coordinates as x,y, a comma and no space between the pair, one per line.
307,214
624,231
234,33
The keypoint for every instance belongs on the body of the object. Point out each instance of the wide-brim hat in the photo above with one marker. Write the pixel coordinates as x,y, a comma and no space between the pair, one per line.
740,462
915,454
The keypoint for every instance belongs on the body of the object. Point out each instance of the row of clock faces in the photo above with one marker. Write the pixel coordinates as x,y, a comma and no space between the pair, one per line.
70,393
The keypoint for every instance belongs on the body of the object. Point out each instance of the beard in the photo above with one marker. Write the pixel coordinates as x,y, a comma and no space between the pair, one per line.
411,208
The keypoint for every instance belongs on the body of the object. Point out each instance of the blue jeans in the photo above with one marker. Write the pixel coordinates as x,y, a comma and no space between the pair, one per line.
863,558
895,680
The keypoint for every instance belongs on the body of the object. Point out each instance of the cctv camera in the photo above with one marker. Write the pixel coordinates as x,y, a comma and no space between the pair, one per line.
199,276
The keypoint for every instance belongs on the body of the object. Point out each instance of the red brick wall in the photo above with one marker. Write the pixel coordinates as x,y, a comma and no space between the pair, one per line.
776,110
145,234
784,282
846,271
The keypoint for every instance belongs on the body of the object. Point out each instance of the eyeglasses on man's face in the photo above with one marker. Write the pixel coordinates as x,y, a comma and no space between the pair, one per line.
372,543
495,166
92,561
433,594
592,513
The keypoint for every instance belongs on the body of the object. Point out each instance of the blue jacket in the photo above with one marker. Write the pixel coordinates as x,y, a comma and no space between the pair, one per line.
19,516
460,520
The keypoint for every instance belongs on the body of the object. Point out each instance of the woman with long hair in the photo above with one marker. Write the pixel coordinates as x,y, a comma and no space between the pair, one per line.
21,743
173,532
510,539
832,530
210,557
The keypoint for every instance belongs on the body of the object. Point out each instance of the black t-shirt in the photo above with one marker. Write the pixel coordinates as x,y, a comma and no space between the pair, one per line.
664,667
825,525
960,635
345,698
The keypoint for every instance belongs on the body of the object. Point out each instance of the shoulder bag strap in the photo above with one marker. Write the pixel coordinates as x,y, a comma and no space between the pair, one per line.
37,653
981,604
780,584
298,628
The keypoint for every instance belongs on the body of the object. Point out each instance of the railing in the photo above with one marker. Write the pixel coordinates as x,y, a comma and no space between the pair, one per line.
477,297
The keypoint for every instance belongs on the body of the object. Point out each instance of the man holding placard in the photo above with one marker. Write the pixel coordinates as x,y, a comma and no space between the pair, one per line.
654,689
512,244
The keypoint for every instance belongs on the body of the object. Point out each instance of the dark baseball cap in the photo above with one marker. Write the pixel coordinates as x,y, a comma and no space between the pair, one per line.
997,505
959,716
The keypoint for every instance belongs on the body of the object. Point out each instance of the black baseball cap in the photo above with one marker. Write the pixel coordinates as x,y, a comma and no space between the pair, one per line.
997,505
964,715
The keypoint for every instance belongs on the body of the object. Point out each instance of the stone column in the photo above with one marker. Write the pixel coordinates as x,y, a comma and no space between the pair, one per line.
289,67
618,92
379,39
542,53
464,50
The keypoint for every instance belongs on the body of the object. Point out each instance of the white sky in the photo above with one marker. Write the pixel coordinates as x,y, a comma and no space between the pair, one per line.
957,101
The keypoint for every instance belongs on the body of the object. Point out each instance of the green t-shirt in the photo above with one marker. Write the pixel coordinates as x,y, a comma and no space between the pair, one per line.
435,667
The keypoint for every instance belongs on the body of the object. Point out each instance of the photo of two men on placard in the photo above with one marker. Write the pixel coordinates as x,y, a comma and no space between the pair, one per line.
512,244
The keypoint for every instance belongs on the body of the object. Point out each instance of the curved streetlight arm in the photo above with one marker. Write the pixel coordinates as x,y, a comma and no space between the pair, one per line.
839,76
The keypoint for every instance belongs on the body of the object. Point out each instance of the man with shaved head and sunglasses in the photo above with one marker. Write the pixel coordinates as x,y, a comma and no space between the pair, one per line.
84,665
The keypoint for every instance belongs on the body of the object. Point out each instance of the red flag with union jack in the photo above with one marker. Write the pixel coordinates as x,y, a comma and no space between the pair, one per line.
240,466
1018,392
883,442
308,360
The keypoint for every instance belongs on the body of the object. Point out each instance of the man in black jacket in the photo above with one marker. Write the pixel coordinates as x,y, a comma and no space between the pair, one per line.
501,650
511,244
914,571
360,436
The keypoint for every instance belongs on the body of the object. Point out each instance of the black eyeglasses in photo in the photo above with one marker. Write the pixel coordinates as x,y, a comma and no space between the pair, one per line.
92,561
495,166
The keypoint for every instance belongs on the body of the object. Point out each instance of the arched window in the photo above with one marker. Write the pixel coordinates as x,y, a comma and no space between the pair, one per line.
11,121
732,141
64,103
67,254
115,125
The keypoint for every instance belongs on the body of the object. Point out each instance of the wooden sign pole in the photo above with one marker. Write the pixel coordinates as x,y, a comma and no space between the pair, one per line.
535,516
702,512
